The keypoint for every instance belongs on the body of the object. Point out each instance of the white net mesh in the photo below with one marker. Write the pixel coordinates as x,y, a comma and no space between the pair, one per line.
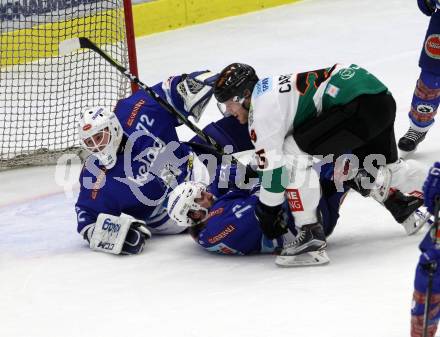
41,93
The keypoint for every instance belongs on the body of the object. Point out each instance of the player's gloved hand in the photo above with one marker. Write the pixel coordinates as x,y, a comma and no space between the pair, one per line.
430,259
429,262
196,90
135,240
431,187
428,6
271,220
117,234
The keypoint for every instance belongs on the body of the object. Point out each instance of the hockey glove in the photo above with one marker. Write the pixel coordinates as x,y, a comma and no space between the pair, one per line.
429,262
271,220
117,235
427,6
196,90
431,187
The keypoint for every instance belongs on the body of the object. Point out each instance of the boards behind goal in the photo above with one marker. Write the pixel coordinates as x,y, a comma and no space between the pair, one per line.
42,93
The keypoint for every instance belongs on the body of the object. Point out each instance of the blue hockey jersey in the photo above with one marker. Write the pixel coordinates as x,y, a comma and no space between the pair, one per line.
232,228
151,162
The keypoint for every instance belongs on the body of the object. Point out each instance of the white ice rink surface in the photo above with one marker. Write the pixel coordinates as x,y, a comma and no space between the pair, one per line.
51,284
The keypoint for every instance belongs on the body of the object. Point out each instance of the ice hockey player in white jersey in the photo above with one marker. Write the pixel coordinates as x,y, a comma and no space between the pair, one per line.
328,113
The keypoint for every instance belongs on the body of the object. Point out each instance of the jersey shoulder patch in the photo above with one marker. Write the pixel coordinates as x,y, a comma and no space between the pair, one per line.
262,86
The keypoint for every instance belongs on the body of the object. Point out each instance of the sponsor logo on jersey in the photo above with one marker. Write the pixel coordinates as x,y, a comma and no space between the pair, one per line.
294,200
347,73
262,86
332,90
224,249
213,213
432,46
220,236
98,183
135,111
253,135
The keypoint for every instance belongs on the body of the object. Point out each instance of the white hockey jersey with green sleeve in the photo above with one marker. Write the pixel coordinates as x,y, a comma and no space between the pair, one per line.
279,104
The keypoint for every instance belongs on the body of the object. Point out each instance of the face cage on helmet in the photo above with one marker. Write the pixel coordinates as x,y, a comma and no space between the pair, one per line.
223,108
97,147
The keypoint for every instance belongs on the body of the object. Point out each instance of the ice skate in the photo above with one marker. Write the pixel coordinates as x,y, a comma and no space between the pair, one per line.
308,248
410,140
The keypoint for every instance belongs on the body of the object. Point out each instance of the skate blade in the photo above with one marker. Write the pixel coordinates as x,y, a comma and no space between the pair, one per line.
306,259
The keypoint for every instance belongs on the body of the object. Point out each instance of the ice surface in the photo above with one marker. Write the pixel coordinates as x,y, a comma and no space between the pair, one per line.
52,285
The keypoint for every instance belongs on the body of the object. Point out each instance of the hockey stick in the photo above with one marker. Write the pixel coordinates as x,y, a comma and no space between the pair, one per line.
68,46
432,267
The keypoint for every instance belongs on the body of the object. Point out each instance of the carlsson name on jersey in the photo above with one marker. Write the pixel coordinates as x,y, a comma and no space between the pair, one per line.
432,46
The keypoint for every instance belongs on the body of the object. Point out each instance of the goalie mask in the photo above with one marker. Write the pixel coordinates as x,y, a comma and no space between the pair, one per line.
100,134
182,200
194,89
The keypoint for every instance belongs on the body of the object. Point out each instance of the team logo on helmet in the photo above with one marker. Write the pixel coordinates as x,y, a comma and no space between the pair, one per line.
87,127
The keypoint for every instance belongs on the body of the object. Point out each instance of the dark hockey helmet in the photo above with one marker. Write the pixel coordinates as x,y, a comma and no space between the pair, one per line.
234,80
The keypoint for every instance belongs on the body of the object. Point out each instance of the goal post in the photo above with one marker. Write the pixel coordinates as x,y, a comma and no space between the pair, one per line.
41,92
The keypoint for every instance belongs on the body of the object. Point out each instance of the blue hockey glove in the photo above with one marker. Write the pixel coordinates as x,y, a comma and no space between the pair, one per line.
427,6
196,90
117,234
135,240
271,220
431,187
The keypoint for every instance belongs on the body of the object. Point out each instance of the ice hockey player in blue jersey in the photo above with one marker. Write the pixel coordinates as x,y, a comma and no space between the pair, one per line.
426,95
429,262
225,222
136,159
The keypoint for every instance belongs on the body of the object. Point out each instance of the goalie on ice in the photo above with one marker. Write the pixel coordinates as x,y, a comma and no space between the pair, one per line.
135,160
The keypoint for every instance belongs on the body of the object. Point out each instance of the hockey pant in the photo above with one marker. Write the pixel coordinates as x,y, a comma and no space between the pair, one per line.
363,127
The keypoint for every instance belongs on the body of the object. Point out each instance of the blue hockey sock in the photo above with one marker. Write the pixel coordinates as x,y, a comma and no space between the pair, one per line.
425,101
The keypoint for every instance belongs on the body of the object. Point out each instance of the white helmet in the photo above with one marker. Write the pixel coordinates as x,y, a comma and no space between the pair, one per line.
181,201
100,133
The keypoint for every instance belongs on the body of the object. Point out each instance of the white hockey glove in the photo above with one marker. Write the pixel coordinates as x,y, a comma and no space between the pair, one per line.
196,90
117,235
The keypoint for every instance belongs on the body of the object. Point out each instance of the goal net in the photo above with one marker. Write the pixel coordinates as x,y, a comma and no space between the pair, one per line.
42,93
